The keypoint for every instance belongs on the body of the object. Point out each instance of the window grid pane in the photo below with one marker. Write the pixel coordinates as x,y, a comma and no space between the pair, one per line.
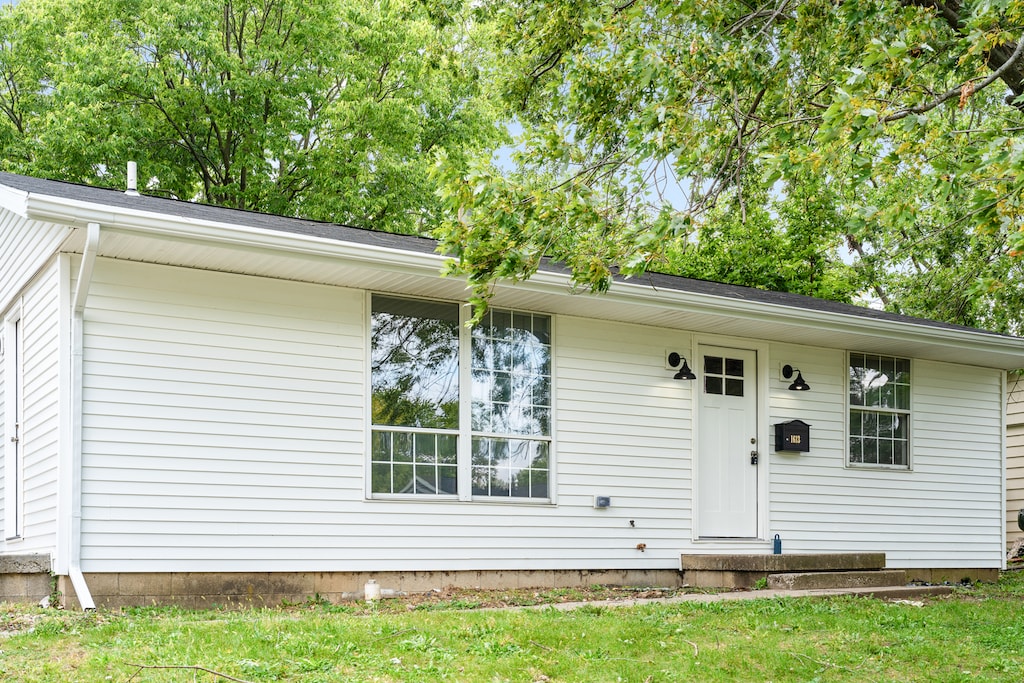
879,410
516,468
511,374
413,463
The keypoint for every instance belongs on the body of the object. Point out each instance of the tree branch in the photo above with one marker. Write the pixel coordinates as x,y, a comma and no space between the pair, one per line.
142,667
957,91
998,57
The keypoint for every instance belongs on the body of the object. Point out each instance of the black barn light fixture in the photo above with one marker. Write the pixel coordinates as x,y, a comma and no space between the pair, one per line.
685,372
798,384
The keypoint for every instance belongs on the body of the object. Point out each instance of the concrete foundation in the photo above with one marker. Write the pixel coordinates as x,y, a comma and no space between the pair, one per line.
273,589
25,579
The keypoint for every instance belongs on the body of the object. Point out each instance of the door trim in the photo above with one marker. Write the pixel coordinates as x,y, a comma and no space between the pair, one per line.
763,443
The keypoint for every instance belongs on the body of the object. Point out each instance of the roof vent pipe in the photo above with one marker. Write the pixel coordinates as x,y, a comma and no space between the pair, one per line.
133,180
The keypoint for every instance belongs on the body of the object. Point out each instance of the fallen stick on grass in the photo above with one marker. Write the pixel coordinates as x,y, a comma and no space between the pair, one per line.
189,667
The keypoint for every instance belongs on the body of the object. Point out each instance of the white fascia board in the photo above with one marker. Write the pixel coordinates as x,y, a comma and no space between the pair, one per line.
185,229
74,212
15,201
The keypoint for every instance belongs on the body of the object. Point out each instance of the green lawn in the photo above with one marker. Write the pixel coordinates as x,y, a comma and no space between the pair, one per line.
975,635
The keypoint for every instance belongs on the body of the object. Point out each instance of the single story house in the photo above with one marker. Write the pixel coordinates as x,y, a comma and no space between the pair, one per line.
202,402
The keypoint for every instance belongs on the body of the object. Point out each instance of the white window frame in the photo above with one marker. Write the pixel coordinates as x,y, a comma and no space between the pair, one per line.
464,433
907,415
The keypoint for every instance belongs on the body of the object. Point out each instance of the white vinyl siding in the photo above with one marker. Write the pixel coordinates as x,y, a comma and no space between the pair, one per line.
238,404
25,247
625,431
234,402
6,360
39,433
226,423
938,515
42,418
1014,455
30,281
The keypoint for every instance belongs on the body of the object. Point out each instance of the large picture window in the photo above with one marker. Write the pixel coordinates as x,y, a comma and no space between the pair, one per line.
440,429
879,411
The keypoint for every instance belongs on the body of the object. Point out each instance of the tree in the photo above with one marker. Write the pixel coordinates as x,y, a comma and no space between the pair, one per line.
670,133
328,109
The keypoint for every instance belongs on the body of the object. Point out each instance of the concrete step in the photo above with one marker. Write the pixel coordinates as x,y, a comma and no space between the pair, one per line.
793,562
840,579
746,570
24,564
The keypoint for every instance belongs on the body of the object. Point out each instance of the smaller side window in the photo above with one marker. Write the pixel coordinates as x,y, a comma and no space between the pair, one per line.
879,411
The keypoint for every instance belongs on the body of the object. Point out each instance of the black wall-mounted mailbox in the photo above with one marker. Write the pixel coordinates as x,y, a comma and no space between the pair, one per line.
794,435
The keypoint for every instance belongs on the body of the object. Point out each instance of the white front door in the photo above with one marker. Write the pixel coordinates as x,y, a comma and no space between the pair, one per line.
727,442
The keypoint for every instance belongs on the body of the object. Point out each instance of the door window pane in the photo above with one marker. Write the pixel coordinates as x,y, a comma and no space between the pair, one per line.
733,387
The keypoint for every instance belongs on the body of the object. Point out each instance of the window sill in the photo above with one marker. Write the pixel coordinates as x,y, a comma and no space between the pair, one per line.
878,467
396,498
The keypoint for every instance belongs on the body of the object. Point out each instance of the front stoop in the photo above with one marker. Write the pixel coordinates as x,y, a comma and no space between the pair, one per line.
24,578
745,570
854,579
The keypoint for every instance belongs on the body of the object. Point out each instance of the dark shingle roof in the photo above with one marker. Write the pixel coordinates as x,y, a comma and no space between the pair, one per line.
347,233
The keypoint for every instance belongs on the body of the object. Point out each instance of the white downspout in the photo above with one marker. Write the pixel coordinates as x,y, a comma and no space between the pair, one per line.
92,240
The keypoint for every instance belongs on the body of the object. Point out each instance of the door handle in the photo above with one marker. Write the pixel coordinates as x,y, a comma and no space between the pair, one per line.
753,457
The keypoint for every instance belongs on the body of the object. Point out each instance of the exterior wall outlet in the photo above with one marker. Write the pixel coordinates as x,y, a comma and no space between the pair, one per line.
601,502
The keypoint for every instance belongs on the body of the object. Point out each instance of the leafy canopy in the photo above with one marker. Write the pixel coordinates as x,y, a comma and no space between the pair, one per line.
326,109
834,149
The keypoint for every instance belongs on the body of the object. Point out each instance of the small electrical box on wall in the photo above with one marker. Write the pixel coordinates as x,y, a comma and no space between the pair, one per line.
602,502
793,436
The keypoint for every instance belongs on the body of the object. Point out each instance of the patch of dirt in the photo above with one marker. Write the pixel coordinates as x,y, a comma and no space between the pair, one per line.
12,623
474,598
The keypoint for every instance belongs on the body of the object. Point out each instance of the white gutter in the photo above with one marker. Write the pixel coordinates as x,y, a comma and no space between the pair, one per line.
92,240
134,221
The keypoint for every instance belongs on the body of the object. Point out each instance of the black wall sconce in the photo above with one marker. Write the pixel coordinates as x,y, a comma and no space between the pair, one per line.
685,372
798,384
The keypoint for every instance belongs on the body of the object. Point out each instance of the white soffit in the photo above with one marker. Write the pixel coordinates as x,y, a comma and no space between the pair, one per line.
188,242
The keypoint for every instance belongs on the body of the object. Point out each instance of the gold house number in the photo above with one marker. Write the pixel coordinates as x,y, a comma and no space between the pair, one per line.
794,438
